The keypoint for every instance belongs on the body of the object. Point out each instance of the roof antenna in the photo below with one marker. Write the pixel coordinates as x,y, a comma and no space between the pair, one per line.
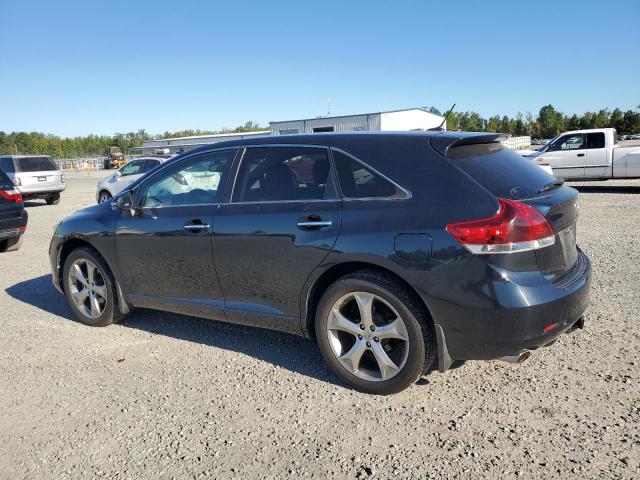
439,128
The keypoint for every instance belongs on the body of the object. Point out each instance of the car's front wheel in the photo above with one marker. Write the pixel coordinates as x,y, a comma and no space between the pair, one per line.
90,288
104,196
374,333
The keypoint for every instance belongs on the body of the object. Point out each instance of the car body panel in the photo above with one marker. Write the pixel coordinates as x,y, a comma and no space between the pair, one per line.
256,267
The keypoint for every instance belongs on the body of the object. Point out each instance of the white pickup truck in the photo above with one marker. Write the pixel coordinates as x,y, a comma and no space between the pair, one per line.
588,155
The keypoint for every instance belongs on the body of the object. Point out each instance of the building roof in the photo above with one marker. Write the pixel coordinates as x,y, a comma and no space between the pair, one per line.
357,115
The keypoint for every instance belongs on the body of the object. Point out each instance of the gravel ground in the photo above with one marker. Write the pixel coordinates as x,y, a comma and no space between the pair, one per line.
164,396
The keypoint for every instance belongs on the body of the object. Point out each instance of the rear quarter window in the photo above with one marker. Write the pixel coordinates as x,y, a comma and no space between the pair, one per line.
501,171
5,181
35,164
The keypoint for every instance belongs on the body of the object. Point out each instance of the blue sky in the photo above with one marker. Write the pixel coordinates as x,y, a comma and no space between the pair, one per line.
79,67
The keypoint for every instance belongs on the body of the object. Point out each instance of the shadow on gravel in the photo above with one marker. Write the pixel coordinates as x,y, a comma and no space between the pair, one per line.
40,293
284,350
607,189
30,203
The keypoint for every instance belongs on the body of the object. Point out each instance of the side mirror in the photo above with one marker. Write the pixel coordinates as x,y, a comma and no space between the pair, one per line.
125,202
118,174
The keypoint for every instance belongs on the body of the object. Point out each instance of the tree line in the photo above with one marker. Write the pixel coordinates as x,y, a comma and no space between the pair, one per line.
548,123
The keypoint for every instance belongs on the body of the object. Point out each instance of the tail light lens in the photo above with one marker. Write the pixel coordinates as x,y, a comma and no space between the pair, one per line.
516,227
11,195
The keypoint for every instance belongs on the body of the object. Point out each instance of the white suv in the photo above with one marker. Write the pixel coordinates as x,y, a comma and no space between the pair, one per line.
34,176
126,175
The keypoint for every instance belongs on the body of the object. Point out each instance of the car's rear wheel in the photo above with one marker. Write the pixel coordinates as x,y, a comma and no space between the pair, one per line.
90,288
104,196
53,199
11,244
374,333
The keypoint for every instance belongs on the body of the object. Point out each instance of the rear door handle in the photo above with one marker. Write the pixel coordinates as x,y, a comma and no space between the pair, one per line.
196,227
309,224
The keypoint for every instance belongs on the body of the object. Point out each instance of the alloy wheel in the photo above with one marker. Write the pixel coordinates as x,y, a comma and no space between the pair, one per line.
87,288
368,336
104,197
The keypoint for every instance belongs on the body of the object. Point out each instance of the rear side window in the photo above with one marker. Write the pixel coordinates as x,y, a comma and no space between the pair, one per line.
595,140
6,165
358,181
35,164
270,174
500,170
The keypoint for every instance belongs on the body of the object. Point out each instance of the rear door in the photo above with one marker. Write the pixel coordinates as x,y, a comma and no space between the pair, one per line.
567,156
597,165
522,180
282,220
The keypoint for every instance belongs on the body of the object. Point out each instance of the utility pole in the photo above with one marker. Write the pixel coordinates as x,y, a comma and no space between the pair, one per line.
329,107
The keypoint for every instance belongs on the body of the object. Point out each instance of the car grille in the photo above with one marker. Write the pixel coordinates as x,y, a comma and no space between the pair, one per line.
573,276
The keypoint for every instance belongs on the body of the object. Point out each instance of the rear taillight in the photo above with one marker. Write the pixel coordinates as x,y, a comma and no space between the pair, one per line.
16,181
516,227
11,195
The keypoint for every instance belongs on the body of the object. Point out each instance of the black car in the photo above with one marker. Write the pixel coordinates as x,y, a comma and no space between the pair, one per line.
394,251
13,216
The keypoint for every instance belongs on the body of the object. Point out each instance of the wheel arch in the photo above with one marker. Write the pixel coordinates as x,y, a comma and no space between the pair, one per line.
334,273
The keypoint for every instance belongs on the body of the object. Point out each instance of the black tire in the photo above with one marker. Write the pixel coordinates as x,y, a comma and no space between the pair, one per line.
104,196
111,311
419,327
11,244
53,199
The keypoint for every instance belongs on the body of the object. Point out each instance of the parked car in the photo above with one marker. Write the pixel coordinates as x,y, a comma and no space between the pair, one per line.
394,251
588,154
13,216
125,176
34,176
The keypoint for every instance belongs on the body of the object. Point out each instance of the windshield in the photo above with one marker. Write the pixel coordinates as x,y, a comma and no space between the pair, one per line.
501,171
35,164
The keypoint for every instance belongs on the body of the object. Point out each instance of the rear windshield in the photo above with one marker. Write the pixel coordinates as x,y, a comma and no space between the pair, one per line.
6,164
500,170
5,182
35,164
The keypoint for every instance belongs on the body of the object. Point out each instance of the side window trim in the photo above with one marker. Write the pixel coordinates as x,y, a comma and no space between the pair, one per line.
406,194
242,157
144,185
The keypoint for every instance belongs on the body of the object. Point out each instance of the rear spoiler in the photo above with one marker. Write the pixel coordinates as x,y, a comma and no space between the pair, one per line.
446,140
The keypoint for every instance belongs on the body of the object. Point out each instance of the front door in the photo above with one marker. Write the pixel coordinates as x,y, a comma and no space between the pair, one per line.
164,246
567,156
282,221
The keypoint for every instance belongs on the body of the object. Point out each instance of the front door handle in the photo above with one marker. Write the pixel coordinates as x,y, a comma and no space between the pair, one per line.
313,222
581,154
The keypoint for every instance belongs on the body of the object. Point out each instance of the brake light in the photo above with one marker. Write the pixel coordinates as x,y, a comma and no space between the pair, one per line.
516,227
11,195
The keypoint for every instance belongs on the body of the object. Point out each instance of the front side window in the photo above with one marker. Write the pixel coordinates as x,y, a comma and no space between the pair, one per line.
569,142
595,140
358,181
270,174
195,181
132,168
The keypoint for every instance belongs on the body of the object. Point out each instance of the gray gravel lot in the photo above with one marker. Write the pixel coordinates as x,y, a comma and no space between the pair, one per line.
163,396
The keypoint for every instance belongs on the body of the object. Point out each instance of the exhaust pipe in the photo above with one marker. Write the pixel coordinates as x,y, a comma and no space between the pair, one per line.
517,357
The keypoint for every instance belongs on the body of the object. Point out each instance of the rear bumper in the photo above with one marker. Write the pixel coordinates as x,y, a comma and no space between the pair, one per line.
34,191
517,320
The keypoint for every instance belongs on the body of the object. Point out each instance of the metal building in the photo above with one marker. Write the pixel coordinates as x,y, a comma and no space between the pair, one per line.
408,119
167,146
